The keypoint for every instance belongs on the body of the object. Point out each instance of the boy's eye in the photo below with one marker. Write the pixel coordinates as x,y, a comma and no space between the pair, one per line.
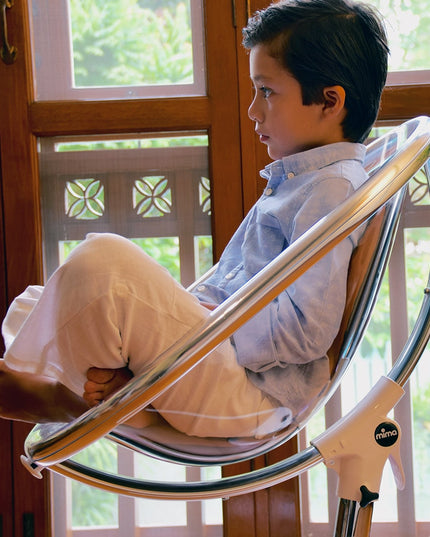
265,91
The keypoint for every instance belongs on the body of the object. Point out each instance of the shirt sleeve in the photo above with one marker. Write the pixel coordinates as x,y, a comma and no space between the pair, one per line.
299,326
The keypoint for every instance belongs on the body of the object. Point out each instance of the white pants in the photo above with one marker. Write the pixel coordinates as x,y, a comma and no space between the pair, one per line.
110,305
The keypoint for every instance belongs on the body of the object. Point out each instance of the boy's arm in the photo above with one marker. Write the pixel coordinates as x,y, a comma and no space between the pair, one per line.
299,326
36,399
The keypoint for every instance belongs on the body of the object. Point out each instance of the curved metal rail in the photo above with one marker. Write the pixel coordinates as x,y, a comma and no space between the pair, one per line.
254,480
66,440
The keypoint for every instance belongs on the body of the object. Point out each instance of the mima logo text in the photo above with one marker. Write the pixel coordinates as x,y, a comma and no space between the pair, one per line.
386,434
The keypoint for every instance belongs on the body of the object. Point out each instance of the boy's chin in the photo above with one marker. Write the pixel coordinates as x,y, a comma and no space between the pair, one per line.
277,155
280,153
274,155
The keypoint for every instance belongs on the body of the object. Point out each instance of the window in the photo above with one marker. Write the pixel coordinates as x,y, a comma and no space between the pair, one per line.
407,28
118,49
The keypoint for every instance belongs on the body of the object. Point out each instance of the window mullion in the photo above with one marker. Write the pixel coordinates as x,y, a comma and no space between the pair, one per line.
126,505
333,413
194,509
403,411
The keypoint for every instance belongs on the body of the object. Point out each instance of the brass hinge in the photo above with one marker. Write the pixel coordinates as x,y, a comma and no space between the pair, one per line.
248,9
233,13
7,52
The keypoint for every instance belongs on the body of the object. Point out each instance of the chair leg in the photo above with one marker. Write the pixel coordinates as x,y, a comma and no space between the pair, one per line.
364,521
345,518
353,523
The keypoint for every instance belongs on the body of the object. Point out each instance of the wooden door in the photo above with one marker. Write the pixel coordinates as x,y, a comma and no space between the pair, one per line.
23,499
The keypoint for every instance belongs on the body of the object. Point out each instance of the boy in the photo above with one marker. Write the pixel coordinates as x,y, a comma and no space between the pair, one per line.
318,68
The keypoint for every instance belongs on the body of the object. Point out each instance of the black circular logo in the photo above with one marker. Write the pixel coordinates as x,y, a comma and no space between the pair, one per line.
386,434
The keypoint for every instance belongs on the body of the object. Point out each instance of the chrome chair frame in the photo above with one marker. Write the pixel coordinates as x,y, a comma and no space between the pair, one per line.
50,445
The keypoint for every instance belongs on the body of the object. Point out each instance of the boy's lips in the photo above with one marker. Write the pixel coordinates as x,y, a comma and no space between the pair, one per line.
263,137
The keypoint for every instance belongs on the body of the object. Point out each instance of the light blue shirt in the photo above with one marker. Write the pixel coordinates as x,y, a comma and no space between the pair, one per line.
283,347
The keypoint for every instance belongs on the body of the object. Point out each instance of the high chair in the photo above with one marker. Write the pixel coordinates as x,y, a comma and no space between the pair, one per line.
391,161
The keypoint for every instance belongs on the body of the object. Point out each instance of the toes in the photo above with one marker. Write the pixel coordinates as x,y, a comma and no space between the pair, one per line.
93,387
92,398
104,382
100,376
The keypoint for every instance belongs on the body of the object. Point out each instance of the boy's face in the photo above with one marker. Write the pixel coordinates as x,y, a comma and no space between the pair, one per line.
282,122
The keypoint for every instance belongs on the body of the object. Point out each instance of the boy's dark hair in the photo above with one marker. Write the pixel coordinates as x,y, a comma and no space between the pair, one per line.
326,43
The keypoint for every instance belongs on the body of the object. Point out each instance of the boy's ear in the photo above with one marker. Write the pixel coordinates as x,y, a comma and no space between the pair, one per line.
334,99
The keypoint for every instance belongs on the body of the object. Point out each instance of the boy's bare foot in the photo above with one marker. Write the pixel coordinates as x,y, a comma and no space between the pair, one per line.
103,382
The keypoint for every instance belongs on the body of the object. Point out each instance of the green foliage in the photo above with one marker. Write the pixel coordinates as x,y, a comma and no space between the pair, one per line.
421,435
377,337
407,23
93,507
159,4
122,42
417,266
138,143
204,254
165,250
421,406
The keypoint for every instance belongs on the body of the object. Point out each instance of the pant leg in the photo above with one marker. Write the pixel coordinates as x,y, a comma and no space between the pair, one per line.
111,305
18,312
108,305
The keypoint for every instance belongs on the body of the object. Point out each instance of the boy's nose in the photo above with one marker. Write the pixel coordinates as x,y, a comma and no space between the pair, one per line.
253,113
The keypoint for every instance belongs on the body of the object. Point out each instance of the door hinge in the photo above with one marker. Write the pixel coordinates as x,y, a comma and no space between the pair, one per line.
7,52
233,13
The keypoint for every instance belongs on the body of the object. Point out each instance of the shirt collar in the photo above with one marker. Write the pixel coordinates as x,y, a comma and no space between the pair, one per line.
312,159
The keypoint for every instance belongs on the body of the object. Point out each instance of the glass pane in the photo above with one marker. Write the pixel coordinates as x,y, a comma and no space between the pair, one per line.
417,258
212,509
317,476
407,23
118,48
203,254
93,507
165,250
153,190
154,512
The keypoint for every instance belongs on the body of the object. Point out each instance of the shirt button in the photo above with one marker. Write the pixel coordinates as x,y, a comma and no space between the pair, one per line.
268,191
290,175
229,276
201,288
